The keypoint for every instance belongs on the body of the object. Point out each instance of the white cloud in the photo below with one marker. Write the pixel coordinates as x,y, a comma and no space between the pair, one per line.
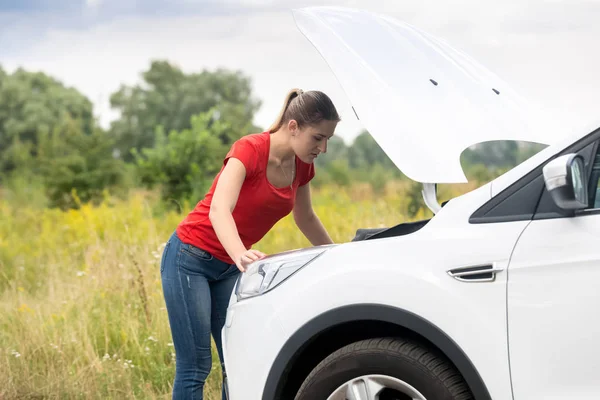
93,3
549,60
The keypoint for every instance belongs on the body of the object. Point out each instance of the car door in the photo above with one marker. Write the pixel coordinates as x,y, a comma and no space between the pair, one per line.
553,300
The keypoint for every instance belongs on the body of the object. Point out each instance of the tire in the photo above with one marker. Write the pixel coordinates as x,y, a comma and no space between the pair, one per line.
400,365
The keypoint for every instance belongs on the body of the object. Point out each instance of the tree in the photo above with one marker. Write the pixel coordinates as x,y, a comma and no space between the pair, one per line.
185,162
33,104
339,172
527,150
78,167
365,152
496,154
169,98
336,150
500,153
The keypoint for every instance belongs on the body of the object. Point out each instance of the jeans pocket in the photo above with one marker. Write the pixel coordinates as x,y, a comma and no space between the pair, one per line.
196,252
164,256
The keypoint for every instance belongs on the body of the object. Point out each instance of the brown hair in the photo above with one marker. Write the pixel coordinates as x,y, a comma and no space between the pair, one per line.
306,108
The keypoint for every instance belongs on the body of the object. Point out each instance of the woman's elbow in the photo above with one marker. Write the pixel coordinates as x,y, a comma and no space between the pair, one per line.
214,212
220,209
302,217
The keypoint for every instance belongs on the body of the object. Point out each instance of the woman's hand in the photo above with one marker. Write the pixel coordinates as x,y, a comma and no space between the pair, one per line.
248,257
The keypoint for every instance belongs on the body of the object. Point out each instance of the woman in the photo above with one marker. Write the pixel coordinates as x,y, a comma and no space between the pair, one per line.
264,177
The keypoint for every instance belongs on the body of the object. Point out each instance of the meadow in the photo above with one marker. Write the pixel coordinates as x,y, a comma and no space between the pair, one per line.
81,309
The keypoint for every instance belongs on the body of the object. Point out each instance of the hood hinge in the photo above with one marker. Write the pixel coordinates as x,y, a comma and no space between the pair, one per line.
429,193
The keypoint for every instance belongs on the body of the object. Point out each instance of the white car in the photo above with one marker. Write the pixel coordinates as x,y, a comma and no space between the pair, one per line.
492,298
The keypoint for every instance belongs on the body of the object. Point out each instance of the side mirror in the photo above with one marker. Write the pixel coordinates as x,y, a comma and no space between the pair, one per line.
565,180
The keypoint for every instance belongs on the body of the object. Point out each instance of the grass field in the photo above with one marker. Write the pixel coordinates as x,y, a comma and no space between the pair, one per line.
81,307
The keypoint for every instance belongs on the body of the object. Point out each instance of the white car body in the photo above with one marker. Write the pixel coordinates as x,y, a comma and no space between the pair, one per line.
524,328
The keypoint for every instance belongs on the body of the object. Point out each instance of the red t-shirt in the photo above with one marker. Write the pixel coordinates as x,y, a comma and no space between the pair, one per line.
260,204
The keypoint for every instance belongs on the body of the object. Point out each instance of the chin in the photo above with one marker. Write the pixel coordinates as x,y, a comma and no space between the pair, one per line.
309,159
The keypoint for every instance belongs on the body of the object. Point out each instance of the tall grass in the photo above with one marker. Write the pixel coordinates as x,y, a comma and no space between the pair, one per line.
81,307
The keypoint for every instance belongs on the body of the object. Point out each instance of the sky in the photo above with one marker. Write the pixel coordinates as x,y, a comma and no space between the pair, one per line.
546,50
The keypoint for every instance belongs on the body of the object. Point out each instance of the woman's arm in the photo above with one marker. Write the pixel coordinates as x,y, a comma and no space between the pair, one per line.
223,202
306,219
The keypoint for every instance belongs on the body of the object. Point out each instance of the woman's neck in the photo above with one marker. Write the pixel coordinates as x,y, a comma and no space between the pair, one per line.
281,146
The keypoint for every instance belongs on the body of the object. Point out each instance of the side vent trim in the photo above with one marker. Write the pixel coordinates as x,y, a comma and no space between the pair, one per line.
479,273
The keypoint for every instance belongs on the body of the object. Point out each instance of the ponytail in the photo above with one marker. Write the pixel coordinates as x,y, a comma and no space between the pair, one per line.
292,94
306,108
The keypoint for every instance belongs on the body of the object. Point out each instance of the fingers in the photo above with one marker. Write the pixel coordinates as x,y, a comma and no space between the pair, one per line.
252,255
245,261
260,254
240,267
248,258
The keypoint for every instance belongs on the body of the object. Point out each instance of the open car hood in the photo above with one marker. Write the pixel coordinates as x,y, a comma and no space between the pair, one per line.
423,101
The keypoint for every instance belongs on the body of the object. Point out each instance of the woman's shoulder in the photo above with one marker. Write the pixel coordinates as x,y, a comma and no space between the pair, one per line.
256,143
249,149
254,139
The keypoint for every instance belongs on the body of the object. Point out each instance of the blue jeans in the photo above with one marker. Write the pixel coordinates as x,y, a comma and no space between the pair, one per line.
197,288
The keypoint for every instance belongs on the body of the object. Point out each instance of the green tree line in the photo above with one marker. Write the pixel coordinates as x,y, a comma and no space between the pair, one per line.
172,133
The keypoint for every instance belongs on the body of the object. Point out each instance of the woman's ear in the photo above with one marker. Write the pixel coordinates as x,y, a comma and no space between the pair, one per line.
293,127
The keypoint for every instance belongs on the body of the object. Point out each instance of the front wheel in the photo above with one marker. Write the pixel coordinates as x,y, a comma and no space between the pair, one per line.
384,369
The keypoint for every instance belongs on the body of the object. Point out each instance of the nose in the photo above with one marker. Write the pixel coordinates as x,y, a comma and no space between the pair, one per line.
323,147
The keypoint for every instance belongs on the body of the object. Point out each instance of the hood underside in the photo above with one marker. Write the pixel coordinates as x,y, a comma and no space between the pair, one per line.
423,101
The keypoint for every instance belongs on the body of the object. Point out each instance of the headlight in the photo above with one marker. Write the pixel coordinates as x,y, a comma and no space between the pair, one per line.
263,275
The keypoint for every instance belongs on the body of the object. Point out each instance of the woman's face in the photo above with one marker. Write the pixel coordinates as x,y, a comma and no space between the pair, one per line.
311,140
